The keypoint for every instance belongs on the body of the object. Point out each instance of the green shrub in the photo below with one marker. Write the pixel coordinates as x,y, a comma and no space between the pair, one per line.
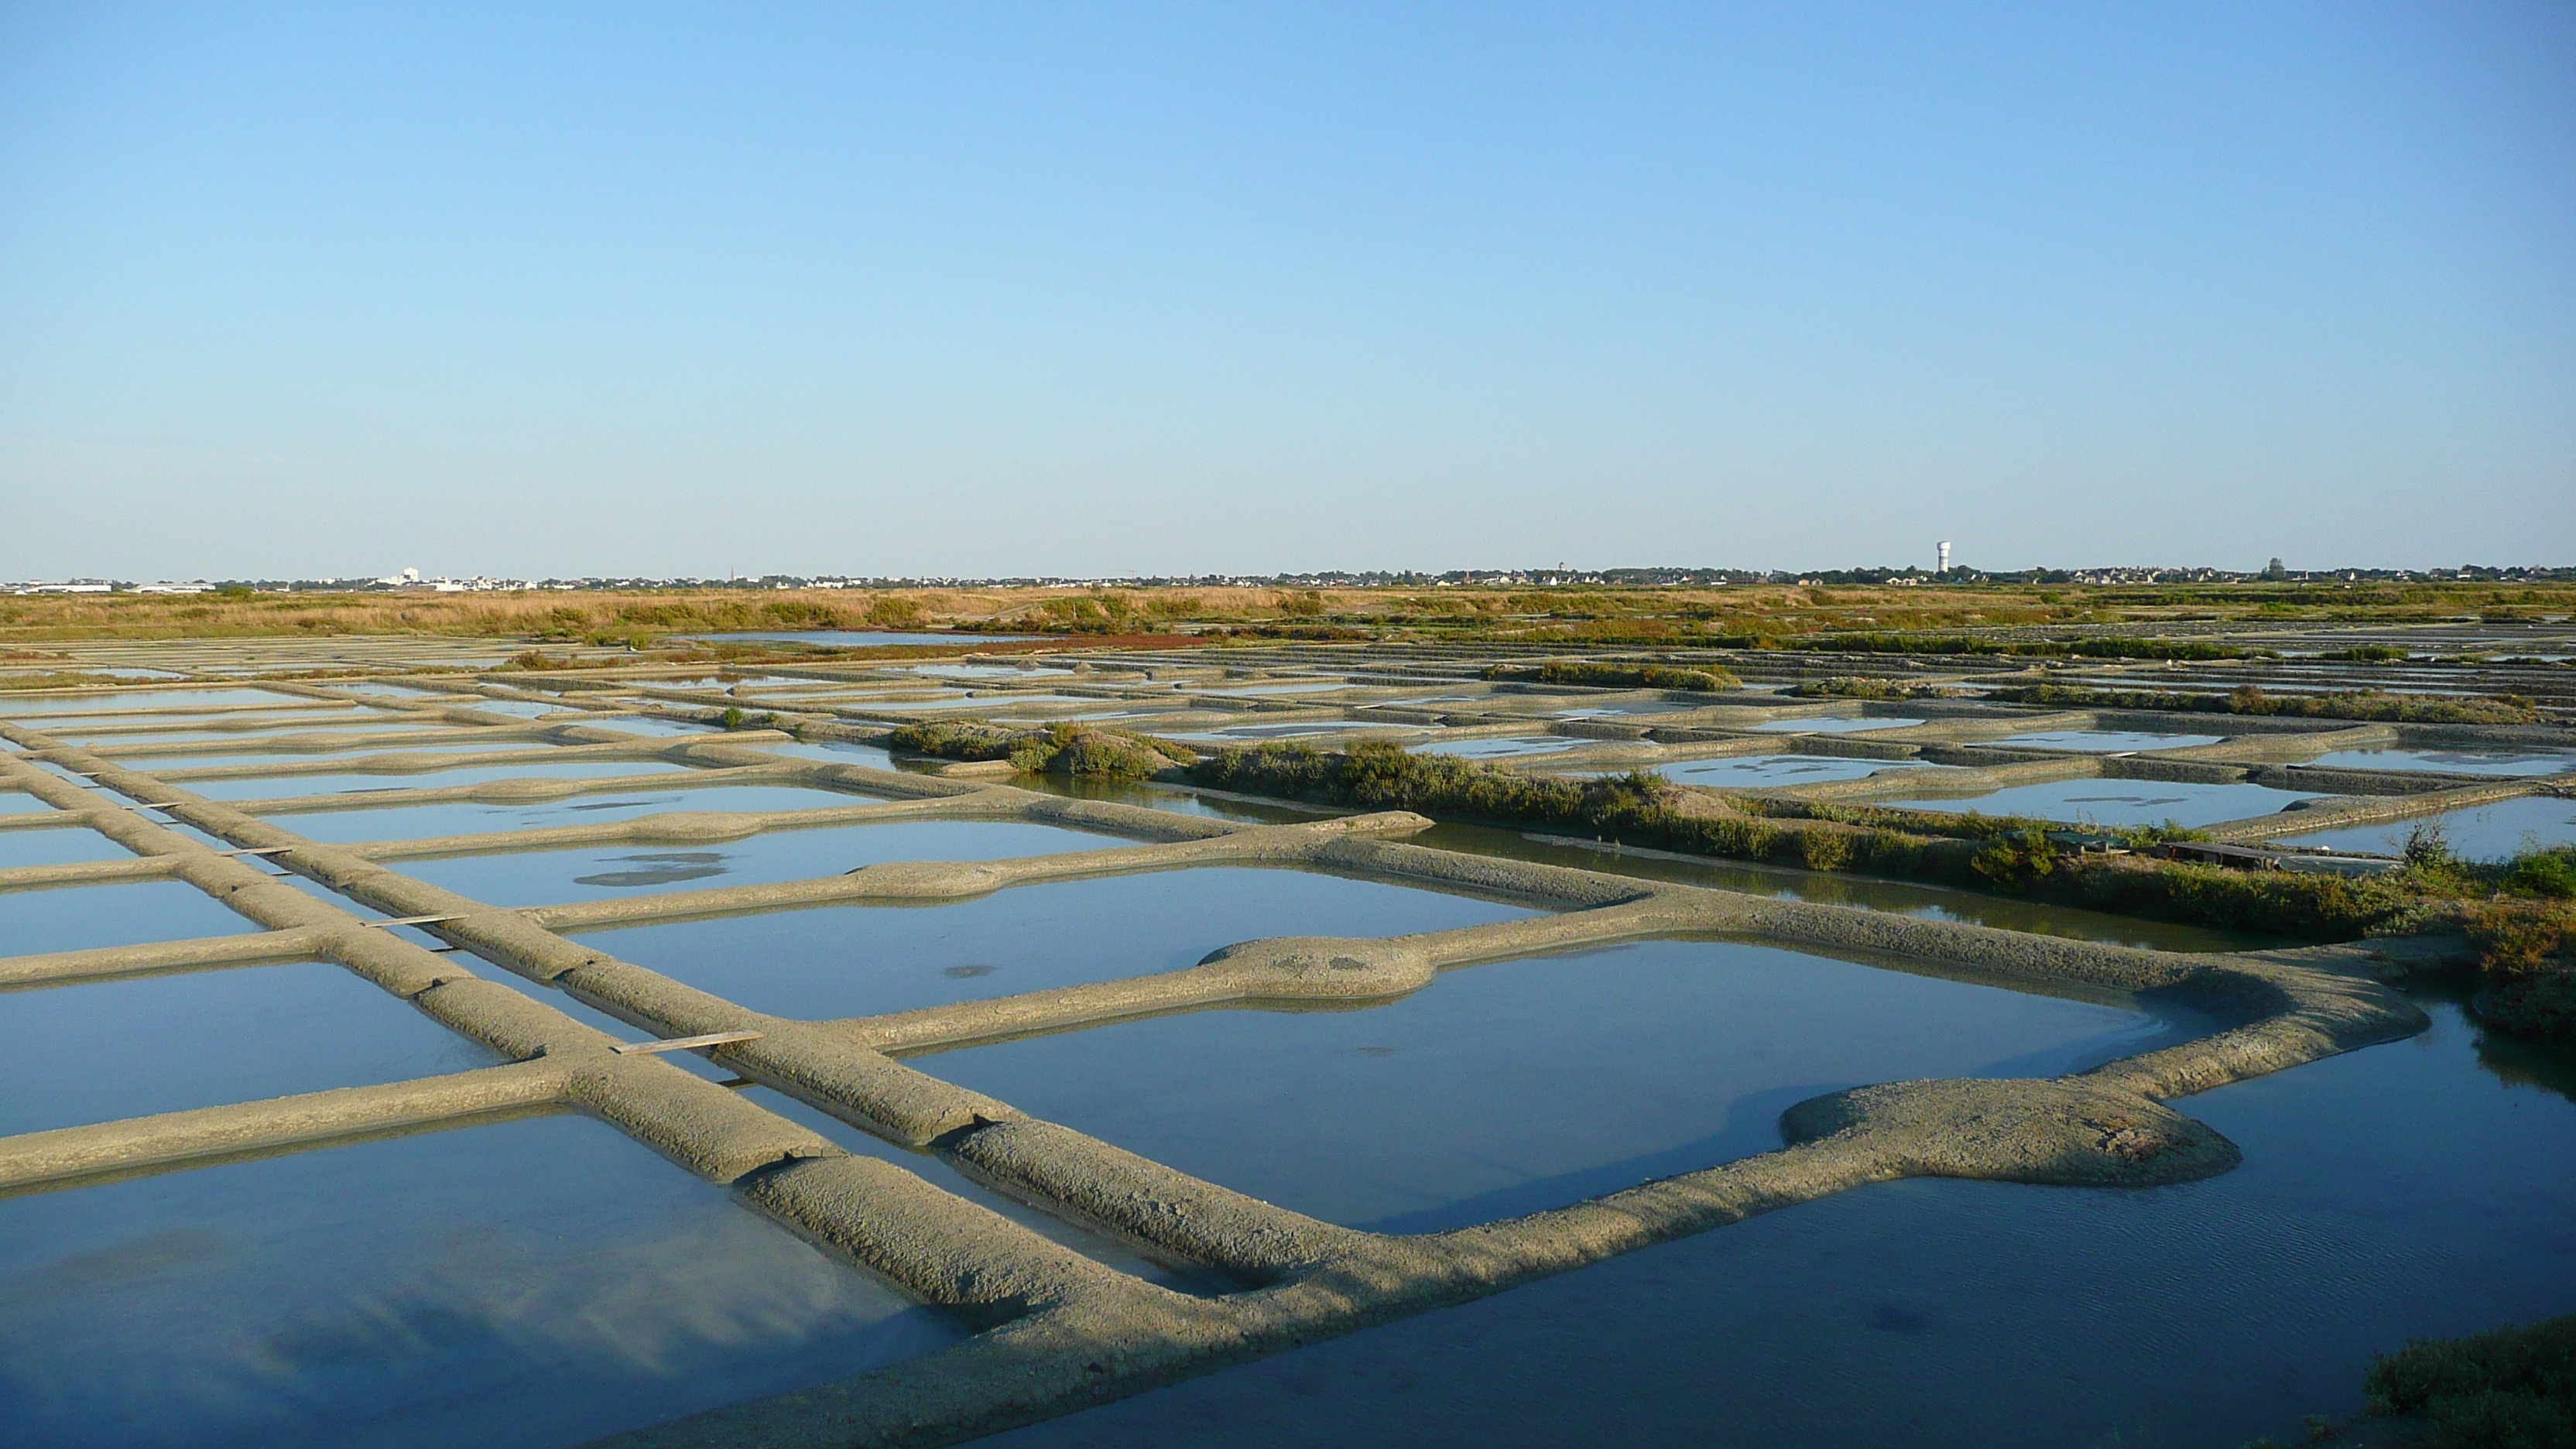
2514,1388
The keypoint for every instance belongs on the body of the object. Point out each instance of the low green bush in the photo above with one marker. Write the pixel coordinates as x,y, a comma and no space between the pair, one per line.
2514,1388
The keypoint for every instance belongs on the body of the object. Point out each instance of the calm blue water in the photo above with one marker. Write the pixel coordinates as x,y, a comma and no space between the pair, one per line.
77,918
2101,741
141,699
1833,725
522,1285
2122,802
2458,762
1277,731
408,822
2420,1188
1496,747
278,787
867,960
54,845
1745,771
556,876
102,1050
2481,832
19,802
1510,1087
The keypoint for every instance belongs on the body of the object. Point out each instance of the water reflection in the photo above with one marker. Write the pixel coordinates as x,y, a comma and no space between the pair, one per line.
532,1283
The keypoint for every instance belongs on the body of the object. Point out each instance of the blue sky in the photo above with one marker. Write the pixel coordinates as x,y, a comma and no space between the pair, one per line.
970,289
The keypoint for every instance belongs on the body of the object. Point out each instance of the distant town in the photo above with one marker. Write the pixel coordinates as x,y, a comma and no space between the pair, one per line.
411,580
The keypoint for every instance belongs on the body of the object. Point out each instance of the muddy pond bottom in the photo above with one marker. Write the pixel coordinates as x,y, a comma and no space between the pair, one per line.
525,1285
1506,1088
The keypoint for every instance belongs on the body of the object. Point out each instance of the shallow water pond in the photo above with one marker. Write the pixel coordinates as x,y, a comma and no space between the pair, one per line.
2481,832
530,1284
278,787
97,1051
56,845
1279,731
869,638
406,822
78,918
92,703
2122,802
19,802
2104,741
1839,888
1745,771
1498,747
239,755
2457,762
553,877
869,960
1833,724
2421,1188
1510,1087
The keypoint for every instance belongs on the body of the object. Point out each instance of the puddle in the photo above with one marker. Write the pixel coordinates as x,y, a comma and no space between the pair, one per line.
78,918
2103,741
554,877
1511,1087
2457,762
2481,832
1744,771
2120,802
278,787
1496,747
524,1284
868,960
2379,1202
1833,725
102,1050
409,822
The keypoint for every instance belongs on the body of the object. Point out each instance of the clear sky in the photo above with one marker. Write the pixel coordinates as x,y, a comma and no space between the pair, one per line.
1081,289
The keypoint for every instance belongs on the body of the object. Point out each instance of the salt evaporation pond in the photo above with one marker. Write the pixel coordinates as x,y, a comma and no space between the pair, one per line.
92,703
2457,762
2480,832
2121,802
1740,772
869,960
1833,724
52,845
526,1285
101,1050
272,787
1499,746
1505,1088
2422,1188
552,877
2104,741
870,638
82,918
405,822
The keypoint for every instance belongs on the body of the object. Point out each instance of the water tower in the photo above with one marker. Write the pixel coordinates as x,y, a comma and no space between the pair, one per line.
1942,553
